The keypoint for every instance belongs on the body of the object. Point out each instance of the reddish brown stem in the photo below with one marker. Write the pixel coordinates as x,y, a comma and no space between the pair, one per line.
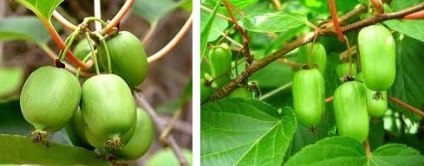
416,15
249,56
378,6
335,20
118,17
59,42
407,106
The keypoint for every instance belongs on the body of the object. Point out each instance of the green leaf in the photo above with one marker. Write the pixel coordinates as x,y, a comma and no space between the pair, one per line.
408,83
187,5
411,28
321,6
153,11
28,28
397,5
11,119
235,131
205,31
396,154
337,150
11,79
217,28
42,8
240,3
166,157
273,75
21,150
268,22
331,151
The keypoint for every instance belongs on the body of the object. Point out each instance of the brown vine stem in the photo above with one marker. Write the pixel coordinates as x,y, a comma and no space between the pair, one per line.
407,106
173,43
326,30
249,56
118,17
171,142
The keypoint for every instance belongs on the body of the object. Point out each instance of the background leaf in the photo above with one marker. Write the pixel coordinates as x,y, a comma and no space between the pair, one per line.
235,131
42,8
11,79
152,12
267,22
21,150
28,28
411,28
217,27
408,87
396,154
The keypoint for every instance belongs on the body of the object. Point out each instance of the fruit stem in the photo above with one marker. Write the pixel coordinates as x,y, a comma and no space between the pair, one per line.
94,54
103,42
68,43
367,150
407,106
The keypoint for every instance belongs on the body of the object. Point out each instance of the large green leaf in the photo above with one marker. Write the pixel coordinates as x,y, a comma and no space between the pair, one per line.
348,151
331,151
28,28
167,157
397,5
217,27
267,22
11,119
11,79
235,131
396,154
273,75
239,3
21,150
411,28
152,11
409,78
206,30
42,8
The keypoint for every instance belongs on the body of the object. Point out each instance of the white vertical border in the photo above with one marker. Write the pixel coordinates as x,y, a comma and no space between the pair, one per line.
196,82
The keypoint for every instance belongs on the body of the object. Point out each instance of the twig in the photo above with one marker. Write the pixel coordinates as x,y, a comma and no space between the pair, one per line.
156,120
63,21
261,63
173,43
248,55
277,4
149,33
407,106
345,54
167,130
275,91
217,14
115,21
